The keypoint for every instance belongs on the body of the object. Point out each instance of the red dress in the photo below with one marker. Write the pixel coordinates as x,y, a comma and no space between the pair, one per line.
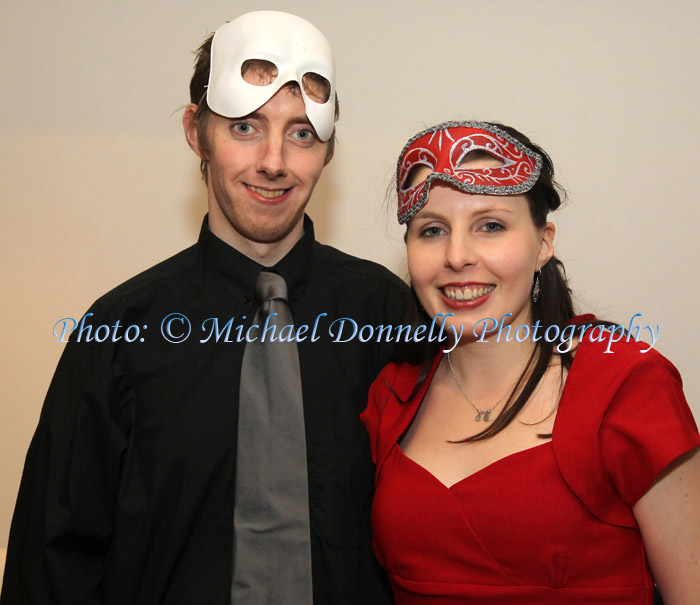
551,524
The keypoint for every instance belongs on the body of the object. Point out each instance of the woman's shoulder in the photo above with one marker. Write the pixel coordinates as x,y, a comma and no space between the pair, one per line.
388,408
399,372
395,382
614,374
614,349
622,419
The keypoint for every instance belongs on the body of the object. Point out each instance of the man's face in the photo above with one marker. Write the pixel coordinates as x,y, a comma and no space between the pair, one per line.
262,170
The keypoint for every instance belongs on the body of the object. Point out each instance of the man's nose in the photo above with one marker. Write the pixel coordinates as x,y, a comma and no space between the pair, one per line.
271,161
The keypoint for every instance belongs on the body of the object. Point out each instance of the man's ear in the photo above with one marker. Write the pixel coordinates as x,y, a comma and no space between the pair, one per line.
189,123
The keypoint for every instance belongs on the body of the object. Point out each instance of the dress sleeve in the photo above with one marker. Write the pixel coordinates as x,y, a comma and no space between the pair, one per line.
648,424
388,386
63,521
370,417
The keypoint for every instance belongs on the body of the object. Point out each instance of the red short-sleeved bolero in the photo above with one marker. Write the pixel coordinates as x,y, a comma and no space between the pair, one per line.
551,524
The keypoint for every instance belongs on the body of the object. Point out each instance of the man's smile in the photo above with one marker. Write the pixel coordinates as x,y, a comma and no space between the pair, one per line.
268,193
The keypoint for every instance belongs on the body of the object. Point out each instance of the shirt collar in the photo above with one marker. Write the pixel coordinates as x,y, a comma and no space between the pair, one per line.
241,272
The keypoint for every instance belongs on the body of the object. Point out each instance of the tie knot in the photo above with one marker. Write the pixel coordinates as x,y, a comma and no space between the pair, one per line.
270,286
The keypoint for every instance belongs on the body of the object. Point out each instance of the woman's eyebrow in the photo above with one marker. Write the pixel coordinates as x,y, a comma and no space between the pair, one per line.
491,208
494,208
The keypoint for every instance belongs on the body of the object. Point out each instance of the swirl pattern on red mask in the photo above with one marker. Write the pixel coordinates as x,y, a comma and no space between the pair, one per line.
443,149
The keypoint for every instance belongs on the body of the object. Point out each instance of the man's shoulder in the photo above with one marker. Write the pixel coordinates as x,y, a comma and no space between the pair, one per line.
161,280
345,265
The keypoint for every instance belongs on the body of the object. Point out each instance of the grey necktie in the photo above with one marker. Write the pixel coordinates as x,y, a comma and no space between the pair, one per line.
272,543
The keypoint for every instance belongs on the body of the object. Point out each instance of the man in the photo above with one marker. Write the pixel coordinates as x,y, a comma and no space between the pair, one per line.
130,481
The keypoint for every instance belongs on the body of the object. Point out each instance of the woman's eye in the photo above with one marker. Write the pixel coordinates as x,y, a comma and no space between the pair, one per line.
432,232
492,227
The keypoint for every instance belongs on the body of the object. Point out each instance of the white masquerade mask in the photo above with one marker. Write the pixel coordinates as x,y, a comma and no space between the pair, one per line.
292,44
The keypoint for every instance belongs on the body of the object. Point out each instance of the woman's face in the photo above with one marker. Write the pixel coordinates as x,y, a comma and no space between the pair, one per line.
475,256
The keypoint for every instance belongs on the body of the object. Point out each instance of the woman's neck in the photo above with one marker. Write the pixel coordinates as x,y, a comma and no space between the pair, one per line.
484,365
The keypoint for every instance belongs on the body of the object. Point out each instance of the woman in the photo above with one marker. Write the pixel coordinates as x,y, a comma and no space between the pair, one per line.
517,468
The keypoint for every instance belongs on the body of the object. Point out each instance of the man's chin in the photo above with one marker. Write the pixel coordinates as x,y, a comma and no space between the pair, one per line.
271,235
274,233
255,229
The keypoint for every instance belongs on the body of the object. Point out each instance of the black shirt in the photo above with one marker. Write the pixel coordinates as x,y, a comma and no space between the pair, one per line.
127,492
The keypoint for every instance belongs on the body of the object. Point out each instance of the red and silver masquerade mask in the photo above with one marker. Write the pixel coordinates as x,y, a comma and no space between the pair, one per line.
443,149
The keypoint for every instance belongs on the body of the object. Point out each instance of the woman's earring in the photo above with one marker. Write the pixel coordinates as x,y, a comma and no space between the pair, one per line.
536,289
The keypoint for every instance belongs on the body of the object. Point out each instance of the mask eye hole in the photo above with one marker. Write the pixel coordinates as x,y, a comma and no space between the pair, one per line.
259,72
416,175
478,158
316,87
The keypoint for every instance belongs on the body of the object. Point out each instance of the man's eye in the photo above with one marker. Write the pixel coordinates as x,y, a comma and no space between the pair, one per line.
242,128
304,134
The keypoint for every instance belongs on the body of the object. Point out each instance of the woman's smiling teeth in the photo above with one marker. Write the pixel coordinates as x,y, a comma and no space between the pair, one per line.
467,293
268,193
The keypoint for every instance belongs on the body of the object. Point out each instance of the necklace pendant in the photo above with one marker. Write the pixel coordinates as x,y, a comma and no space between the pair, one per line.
484,415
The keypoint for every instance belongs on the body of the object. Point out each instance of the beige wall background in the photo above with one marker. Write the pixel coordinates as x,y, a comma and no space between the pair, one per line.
98,184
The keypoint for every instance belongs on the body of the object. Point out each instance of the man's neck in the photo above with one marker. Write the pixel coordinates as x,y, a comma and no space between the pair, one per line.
267,254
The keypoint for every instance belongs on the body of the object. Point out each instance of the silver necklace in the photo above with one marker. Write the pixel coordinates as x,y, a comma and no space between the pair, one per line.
484,415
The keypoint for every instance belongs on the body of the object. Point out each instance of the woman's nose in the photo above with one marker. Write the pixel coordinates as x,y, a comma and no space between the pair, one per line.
460,252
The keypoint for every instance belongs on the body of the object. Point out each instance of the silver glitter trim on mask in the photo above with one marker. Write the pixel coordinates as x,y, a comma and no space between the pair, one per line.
523,187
